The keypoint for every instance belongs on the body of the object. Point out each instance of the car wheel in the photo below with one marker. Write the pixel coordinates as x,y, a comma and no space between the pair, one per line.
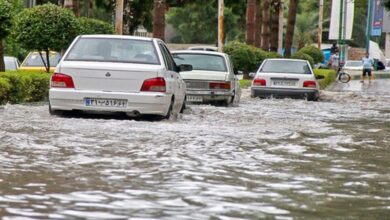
55,112
183,107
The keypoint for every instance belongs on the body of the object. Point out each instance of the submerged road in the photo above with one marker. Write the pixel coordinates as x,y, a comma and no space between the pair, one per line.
270,158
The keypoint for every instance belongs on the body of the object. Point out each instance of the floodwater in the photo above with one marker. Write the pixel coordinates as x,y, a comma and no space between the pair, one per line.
272,158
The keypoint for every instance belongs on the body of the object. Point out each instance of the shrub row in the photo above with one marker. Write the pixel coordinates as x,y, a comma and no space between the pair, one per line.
23,86
247,58
330,76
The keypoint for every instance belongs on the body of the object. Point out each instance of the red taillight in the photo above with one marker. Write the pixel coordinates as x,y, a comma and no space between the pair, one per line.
60,80
310,84
259,82
154,85
217,85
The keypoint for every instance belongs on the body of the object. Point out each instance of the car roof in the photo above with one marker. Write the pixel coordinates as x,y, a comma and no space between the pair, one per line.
287,59
204,47
112,36
199,52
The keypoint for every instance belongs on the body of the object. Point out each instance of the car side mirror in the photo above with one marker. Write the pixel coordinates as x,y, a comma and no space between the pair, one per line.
320,77
252,75
237,72
185,68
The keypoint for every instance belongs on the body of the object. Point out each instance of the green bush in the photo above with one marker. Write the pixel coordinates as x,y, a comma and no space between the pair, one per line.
5,88
94,26
247,58
23,86
314,52
329,77
303,56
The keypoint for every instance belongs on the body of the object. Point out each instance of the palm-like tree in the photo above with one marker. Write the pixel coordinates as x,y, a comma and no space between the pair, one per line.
250,21
305,29
258,24
159,19
275,8
292,13
265,26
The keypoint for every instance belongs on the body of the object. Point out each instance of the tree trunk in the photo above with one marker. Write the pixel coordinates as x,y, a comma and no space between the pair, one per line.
76,7
68,4
159,19
292,13
258,24
276,4
250,21
87,8
2,65
265,26
127,18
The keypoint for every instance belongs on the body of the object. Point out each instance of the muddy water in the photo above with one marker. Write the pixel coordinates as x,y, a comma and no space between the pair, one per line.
281,159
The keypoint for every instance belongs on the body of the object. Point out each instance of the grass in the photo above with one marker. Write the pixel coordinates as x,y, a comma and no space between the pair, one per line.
245,83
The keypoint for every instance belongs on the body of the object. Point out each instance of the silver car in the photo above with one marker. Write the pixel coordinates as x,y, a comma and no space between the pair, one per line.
212,79
112,73
11,63
285,78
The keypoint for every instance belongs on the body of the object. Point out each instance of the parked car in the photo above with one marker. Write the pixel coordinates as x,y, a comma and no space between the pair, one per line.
205,48
353,65
212,78
285,78
113,73
33,61
11,63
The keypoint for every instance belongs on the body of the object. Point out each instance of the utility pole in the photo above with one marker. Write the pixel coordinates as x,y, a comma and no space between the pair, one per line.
368,26
320,21
221,9
281,27
119,17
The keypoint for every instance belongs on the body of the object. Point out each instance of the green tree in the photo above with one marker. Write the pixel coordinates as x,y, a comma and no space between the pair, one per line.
196,18
44,28
5,27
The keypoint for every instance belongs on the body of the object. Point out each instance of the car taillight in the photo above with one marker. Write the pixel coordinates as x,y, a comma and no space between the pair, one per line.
59,80
154,85
310,84
259,82
217,85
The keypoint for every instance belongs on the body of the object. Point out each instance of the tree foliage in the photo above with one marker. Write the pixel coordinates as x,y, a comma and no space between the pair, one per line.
5,27
46,27
197,23
314,52
94,26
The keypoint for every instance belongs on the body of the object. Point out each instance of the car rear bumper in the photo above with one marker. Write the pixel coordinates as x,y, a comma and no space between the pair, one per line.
143,102
208,95
311,94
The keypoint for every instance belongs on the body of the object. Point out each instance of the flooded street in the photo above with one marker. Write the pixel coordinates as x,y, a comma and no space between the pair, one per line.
272,158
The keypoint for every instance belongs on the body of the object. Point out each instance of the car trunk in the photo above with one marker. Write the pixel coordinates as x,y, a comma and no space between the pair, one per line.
287,80
110,77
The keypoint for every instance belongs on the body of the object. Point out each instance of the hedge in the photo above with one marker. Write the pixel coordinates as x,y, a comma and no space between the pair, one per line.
330,76
314,52
23,86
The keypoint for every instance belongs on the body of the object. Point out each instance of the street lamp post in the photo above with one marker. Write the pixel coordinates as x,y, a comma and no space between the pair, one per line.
119,17
221,9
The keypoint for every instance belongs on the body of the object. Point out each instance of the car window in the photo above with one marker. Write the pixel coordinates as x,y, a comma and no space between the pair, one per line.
285,66
34,59
169,62
10,63
201,61
113,50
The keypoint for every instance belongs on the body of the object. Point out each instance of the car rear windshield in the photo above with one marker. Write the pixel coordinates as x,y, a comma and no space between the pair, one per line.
286,66
201,61
35,60
113,50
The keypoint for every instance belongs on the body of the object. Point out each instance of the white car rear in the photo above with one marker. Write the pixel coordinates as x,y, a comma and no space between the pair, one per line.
212,78
353,65
111,73
285,78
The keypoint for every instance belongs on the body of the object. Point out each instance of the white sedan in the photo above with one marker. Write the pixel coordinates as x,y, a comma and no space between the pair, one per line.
353,65
212,78
285,78
111,73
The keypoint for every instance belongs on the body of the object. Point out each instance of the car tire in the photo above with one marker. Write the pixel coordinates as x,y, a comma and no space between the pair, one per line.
183,107
55,112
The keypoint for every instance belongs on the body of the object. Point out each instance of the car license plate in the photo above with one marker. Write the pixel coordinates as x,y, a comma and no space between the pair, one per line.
194,98
284,83
118,103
